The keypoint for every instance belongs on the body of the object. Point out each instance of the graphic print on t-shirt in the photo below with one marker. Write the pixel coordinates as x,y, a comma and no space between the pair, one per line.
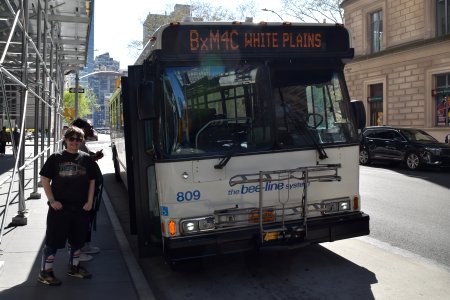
70,169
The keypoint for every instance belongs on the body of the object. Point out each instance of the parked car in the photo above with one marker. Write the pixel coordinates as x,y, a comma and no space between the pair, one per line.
414,147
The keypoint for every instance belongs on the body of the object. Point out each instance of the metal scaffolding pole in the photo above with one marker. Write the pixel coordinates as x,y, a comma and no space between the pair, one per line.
21,217
35,194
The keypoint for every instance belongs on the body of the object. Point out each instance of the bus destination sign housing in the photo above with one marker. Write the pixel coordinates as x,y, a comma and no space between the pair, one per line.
254,39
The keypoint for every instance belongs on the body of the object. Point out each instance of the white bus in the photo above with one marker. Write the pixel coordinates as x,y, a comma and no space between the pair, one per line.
233,137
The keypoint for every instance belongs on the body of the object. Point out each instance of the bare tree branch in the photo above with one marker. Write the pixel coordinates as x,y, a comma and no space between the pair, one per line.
314,10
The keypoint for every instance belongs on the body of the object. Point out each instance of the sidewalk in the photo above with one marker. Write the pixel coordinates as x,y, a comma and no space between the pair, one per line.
116,274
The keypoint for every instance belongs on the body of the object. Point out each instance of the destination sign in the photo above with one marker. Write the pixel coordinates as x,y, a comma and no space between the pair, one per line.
191,39
229,40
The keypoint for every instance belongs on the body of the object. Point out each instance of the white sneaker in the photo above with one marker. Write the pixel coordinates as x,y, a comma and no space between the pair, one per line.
85,257
88,249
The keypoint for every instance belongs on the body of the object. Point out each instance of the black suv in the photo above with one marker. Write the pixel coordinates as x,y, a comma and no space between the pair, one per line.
415,147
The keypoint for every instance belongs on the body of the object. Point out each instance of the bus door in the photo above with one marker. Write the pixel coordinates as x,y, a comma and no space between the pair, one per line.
144,207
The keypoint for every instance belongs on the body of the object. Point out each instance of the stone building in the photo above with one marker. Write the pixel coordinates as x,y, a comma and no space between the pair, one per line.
154,21
401,68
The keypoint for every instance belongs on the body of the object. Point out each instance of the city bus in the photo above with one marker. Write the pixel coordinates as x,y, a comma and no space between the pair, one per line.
235,137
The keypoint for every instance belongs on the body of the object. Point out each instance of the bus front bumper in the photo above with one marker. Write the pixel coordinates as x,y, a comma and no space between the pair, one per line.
319,230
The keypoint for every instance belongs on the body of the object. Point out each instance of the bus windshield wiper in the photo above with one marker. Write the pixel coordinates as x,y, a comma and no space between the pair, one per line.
223,162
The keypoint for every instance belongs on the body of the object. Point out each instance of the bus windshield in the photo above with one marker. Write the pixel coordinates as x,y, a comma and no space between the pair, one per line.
252,107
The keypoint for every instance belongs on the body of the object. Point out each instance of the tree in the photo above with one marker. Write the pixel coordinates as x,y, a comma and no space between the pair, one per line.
314,10
206,12
86,103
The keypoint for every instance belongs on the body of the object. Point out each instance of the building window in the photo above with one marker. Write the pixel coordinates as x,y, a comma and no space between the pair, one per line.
441,95
442,17
375,101
376,31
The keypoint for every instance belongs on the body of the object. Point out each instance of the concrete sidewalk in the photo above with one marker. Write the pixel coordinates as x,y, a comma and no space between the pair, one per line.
116,274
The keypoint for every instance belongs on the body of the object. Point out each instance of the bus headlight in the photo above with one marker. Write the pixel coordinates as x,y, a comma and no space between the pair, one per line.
195,225
189,226
334,206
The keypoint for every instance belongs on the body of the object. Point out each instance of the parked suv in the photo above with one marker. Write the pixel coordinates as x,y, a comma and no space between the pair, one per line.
415,147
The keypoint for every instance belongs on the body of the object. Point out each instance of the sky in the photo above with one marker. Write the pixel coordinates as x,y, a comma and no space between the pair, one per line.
117,25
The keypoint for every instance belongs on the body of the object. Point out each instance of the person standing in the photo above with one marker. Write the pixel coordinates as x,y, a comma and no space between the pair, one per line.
4,138
88,248
16,137
68,179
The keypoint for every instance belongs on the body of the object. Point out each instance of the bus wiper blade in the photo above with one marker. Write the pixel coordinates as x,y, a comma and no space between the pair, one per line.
223,162
318,146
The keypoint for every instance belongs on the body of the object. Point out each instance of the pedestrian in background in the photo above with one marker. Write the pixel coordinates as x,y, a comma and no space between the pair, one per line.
16,137
88,249
68,178
4,138
447,138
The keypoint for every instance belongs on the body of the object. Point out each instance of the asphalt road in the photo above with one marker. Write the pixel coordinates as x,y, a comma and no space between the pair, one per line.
409,209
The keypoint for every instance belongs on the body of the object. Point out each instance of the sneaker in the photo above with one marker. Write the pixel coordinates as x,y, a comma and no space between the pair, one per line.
85,257
88,249
47,277
79,271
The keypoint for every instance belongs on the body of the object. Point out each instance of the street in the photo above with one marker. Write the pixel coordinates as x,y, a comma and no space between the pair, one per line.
407,247
409,209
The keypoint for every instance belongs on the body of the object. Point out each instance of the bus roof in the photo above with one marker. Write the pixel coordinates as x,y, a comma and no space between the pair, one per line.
192,39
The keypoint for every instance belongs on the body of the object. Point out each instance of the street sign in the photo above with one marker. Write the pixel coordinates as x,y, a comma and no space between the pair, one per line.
74,90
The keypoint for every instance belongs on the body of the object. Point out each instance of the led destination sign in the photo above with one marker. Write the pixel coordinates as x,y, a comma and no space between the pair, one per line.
192,39
230,40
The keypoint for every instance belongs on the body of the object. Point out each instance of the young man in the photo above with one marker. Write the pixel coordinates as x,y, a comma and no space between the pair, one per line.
68,178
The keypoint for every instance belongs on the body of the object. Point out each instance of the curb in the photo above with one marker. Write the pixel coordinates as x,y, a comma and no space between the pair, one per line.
140,282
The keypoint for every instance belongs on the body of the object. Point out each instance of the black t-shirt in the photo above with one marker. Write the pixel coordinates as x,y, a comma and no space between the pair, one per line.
70,174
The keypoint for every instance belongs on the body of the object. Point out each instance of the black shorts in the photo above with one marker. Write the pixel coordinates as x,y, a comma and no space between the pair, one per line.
66,225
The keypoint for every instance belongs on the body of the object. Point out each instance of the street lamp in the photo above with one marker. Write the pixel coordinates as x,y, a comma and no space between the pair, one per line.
272,11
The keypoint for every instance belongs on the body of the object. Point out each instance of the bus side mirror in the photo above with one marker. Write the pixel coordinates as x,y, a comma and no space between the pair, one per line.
146,101
359,112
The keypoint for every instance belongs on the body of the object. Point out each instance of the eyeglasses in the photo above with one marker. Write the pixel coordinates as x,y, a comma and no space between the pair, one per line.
75,139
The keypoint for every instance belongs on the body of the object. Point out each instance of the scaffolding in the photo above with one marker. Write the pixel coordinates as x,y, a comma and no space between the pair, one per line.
41,41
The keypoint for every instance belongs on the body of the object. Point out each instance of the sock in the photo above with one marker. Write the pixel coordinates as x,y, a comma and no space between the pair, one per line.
48,257
74,259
